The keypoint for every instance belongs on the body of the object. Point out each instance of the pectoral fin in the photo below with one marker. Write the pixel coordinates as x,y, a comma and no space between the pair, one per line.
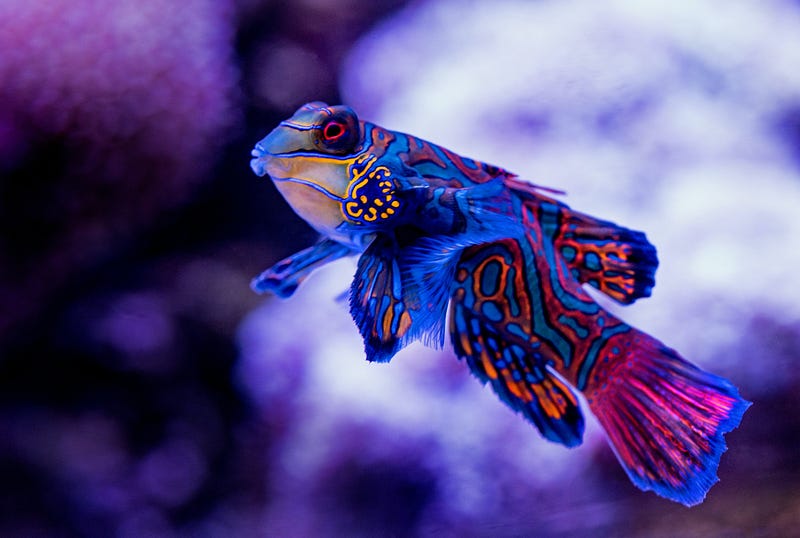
380,304
482,214
283,278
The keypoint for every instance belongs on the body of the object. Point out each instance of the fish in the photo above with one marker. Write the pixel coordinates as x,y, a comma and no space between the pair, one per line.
438,233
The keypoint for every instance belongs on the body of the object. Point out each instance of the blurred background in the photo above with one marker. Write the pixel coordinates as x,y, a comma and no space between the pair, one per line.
146,391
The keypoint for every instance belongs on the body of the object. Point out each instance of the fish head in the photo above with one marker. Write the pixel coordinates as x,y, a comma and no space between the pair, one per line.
308,158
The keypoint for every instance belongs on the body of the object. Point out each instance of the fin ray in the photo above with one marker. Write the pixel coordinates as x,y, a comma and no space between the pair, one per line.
618,261
664,417
379,303
428,263
284,277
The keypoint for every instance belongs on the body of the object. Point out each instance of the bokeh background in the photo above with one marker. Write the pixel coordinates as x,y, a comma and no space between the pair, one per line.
146,391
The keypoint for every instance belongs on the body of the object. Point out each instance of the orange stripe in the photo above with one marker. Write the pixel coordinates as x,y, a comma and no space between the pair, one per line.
546,402
488,366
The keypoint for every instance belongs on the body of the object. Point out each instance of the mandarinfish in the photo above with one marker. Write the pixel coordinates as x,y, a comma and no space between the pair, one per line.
432,228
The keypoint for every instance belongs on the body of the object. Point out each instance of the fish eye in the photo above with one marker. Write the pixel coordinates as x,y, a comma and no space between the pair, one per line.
338,134
333,130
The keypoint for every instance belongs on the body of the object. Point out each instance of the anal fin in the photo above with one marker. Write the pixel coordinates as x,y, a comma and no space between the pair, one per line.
519,377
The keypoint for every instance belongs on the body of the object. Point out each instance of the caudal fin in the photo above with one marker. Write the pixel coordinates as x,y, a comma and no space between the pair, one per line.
664,417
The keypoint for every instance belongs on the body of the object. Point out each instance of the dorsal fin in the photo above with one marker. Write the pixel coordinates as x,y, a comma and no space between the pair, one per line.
616,260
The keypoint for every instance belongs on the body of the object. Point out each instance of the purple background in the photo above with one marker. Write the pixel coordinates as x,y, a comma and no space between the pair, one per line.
146,391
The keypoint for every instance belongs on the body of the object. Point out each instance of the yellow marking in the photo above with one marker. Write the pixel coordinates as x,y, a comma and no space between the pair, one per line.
358,186
353,210
368,157
367,207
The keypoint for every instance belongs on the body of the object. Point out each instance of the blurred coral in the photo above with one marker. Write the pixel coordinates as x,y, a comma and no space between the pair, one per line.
144,390
110,113
677,119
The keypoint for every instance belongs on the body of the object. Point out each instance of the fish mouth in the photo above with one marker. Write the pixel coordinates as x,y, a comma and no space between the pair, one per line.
258,164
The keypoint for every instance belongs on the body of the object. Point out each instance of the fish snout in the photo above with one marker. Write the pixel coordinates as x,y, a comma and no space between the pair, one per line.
258,164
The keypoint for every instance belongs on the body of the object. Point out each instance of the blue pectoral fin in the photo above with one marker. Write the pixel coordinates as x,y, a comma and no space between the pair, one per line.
283,278
483,215
428,265
400,293
382,307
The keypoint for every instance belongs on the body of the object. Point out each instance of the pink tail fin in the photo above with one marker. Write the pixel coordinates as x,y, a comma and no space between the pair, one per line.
664,417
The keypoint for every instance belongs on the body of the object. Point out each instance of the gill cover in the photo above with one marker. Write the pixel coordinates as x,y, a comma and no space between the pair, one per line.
308,158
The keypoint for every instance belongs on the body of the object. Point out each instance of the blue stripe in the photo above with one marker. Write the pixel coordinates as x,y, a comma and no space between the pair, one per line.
396,314
510,293
580,332
591,356
299,126
539,320
548,216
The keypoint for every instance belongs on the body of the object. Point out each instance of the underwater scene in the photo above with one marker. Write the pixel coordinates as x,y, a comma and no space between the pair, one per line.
322,268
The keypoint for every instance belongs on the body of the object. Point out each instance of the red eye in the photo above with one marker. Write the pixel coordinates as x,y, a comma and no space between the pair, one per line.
333,131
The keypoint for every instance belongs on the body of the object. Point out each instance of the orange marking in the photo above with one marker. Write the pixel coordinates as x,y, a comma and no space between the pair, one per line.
466,344
387,324
404,324
488,366
514,387
546,402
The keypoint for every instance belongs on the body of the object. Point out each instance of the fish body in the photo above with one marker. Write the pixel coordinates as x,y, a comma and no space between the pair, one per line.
434,229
